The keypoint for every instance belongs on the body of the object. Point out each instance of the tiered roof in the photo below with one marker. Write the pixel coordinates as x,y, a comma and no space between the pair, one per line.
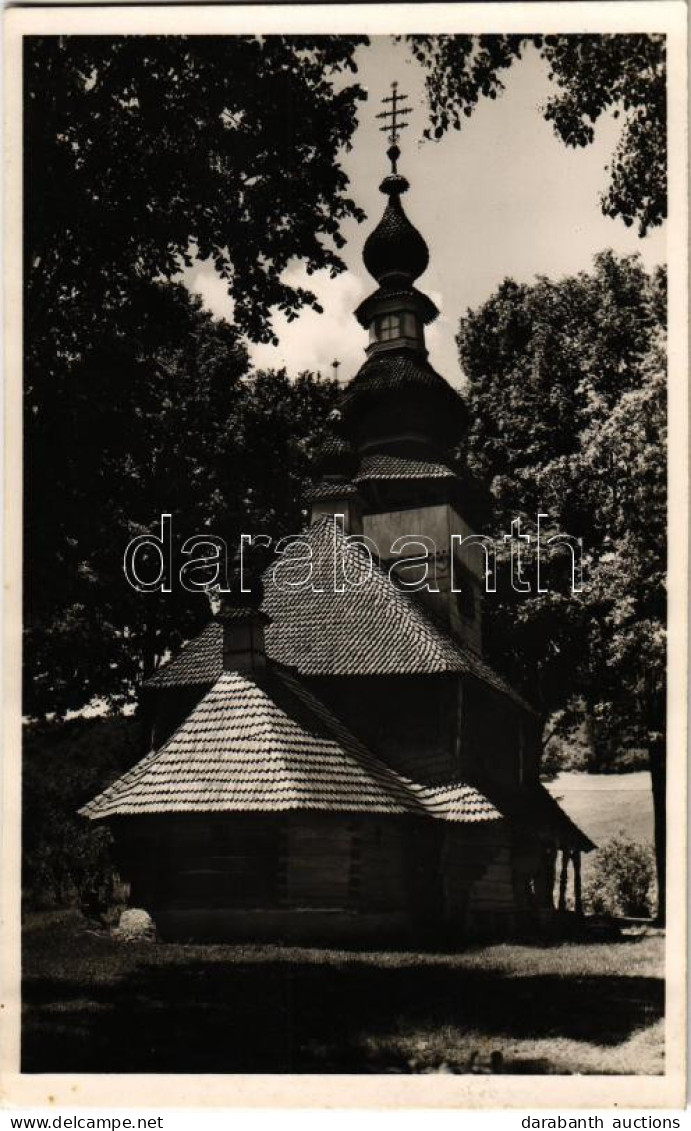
392,290
403,371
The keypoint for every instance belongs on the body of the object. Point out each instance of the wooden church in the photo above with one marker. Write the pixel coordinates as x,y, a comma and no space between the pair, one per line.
339,762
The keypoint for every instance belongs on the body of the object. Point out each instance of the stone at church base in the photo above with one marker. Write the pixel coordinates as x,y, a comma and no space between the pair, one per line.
136,925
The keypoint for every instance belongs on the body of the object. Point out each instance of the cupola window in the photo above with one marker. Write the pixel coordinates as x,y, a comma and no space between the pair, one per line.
387,327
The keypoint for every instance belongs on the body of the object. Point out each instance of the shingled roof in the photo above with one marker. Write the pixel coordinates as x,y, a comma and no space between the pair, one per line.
395,370
385,466
373,628
395,245
537,808
199,663
370,305
267,745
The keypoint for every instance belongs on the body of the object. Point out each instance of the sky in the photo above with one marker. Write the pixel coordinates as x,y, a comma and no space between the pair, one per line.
504,197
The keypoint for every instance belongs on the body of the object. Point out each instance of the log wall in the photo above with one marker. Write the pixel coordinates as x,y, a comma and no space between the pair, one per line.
499,739
321,876
478,880
409,722
284,874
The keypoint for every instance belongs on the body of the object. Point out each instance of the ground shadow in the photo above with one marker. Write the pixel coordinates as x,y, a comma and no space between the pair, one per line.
308,1016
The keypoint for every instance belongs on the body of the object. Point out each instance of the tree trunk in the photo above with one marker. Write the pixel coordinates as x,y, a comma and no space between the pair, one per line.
598,746
658,780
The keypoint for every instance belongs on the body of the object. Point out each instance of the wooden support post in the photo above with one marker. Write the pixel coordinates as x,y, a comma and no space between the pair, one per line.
563,879
577,894
550,875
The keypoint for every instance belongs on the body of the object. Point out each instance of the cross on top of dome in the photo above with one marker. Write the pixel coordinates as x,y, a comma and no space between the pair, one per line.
392,122
395,251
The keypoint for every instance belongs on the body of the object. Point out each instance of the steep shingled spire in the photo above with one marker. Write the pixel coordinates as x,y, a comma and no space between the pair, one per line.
397,402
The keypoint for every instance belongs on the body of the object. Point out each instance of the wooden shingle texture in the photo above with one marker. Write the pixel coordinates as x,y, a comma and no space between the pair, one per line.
384,466
199,662
268,745
372,628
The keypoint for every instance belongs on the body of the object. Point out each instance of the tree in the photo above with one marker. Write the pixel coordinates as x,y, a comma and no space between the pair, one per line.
594,74
64,765
111,442
567,400
161,418
141,152
628,639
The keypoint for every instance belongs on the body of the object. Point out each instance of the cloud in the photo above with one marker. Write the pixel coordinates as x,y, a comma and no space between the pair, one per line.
203,279
313,341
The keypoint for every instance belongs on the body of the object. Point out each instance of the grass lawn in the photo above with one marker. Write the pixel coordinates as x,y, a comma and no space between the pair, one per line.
92,1004
604,805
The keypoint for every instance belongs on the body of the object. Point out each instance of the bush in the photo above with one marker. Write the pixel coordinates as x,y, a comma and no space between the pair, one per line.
67,859
622,880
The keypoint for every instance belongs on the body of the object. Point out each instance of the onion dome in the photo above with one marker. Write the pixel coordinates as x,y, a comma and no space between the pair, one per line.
397,403
395,250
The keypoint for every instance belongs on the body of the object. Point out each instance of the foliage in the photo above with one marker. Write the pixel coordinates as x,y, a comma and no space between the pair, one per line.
573,741
566,392
111,443
567,399
624,75
575,754
622,879
64,858
563,753
161,419
140,150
